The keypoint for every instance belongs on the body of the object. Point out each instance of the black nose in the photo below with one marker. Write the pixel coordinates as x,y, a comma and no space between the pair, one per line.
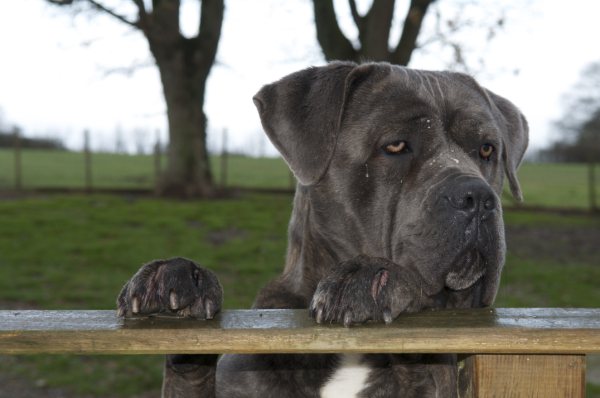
472,196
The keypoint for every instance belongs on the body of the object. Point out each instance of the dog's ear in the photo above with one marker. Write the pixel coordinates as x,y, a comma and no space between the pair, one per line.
301,114
515,140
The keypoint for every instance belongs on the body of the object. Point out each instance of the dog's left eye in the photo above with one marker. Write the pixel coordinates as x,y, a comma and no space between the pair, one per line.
485,151
396,148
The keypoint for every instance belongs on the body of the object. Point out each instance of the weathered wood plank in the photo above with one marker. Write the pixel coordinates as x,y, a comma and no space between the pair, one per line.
527,331
535,376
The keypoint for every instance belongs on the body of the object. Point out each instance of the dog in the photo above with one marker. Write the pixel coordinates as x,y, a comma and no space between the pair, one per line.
397,210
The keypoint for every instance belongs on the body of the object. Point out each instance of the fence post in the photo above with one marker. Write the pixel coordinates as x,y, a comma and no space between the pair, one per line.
592,185
292,180
87,158
157,161
18,164
224,160
522,375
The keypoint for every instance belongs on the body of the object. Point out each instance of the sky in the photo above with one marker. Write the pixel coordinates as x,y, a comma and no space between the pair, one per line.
61,74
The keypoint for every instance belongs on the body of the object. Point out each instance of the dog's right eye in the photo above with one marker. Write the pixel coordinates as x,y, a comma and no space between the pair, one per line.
396,148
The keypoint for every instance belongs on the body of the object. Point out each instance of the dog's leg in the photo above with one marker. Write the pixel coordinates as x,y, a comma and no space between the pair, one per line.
190,376
177,286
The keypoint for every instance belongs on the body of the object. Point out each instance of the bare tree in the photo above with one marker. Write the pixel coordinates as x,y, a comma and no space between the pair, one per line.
373,31
579,127
376,26
581,102
2,121
184,64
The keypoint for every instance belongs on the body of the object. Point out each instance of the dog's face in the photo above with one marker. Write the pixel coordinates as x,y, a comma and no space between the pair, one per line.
403,164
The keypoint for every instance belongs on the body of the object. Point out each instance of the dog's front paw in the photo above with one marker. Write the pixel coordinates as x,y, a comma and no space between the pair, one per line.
176,286
358,290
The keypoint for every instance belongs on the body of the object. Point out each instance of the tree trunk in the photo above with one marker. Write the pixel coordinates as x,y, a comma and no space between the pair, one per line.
184,65
188,170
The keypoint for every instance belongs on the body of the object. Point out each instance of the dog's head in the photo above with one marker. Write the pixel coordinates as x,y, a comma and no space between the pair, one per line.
403,164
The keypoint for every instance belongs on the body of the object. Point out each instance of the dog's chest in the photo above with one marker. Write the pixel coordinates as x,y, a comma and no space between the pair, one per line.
349,379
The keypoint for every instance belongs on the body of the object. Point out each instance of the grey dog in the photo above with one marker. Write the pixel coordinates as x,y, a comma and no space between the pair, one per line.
396,210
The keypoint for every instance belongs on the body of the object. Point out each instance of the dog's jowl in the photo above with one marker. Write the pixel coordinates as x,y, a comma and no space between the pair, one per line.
397,210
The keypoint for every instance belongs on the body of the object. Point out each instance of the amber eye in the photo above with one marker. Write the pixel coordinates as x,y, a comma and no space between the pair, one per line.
486,151
395,148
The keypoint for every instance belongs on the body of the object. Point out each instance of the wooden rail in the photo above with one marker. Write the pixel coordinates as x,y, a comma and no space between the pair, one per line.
510,352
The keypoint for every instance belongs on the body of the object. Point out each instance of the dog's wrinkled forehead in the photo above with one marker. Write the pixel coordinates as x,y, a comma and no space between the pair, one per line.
306,113
408,93
407,103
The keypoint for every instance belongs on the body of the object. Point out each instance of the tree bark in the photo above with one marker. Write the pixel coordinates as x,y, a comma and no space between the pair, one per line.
373,31
183,79
410,31
331,39
184,65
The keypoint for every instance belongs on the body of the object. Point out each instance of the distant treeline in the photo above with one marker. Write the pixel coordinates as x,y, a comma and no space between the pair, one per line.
581,151
7,140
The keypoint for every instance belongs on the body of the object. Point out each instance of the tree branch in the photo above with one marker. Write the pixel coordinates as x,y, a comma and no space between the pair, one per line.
110,12
128,70
355,15
141,8
375,32
333,42
410,31
209,32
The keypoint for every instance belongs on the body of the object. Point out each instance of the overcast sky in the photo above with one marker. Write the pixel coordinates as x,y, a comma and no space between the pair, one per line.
55,68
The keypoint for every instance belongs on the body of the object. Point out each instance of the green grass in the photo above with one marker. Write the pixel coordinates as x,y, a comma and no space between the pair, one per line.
531,283
75,252
537,278
555,185
43,168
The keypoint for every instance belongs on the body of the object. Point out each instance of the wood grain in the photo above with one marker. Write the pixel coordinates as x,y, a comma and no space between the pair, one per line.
534,376
523,331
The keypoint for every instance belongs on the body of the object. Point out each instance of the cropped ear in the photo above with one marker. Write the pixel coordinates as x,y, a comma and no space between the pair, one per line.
515,140
301,114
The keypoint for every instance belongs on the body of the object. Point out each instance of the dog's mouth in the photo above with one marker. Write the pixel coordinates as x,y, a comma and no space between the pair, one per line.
468,268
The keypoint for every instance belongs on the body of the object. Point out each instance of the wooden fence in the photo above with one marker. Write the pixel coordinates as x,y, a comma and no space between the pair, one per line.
504,352
154,172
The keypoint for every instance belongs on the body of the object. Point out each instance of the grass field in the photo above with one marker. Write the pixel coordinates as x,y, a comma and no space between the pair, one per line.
75,252
554,185
43,168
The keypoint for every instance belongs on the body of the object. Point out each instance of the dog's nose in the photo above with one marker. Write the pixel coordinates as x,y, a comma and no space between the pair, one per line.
472,196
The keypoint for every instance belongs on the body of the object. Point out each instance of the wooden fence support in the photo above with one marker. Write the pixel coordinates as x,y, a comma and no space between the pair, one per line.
18,162
157,162
87,159
292,180
592,185
224,160
523,375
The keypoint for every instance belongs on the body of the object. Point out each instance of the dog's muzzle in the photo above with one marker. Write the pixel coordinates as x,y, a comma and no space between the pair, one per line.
472,208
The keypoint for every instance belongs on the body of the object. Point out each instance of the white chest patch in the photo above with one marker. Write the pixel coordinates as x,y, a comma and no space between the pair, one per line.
349,378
